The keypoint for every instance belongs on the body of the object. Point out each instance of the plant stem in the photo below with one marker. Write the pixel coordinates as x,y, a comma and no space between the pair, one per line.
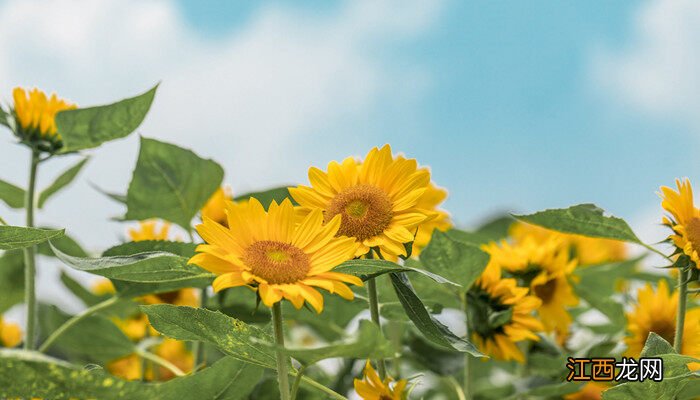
2,221
466,383
297,380
374,314
77,318
29,258
282,359
197,346
160,361
680,315
330,393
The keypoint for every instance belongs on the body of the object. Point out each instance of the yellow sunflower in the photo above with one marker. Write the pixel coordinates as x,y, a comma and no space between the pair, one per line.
376,199
684,219
371,387
10,334
130,367
500,315
656,312
589,391
281,253
35,114
431,200
546,268
150,230
215,208
587,250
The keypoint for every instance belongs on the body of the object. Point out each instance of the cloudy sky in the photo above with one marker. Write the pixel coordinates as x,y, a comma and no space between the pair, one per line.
516,106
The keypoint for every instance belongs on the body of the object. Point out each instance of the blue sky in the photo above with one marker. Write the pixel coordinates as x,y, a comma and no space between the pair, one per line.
516,106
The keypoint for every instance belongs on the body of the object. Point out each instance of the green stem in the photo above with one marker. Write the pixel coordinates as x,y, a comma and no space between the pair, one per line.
458,390
198,347
374,314
466,383
73,321
297,380
680,315
29,258
282,359
160,361
2,221
330,393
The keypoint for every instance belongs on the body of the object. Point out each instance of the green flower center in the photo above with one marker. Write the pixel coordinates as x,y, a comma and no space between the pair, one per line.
366,211
277,262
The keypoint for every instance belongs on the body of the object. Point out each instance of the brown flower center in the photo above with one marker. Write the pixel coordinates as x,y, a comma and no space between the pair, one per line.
277,262
664,328
546,291
168,297
365,211
692,231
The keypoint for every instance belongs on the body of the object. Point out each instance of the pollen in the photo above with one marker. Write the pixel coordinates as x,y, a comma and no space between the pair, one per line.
365,211
692,230
277,262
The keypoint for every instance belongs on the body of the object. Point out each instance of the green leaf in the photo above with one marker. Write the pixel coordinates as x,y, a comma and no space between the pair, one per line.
11,279
583,219
369,342
603,278
119,198
656,345
130,248
17,237
64,243
496,228
171,183
266,197
85,128
12,195
150,267
368,269
457,261
4,116
62,181
231,336
86,296
605,304
431,328
128,289
556,390
32,374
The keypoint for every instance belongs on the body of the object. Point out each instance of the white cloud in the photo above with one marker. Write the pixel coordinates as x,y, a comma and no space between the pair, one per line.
658,71
261,99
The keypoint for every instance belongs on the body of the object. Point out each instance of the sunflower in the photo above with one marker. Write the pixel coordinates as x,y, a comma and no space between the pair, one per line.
546,268
587,250
130,367
35,116
376,199
431,200
589,391
215,207
656,312
500,315
280,253
10,334
684,219
371,387
149,230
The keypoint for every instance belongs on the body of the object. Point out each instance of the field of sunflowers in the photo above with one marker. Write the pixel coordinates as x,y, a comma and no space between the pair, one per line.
352,285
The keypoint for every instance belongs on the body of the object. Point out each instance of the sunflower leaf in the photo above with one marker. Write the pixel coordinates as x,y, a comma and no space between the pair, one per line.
149,267
583,219
17,237
431,328
266,197
31,374
11,279
130,248
457,261
171,183
368,269
12,195
62,181
85,128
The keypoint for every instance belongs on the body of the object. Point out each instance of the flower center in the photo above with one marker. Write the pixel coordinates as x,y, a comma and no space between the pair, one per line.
365,211
546,291
277,262
692,230
665,329
168,297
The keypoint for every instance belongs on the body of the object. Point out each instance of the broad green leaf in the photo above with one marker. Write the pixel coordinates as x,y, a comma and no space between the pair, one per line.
11,279
496,228
655,345
34,375
603,278
231,336
457,261
85,128
583,219
130,248
431,328
367,269
105,341
556,390
86,296
171,183
62,181
266,197
369,342
119,198
150,267
64,243
129,289
436,358
603,303
12,195
329,325
17,237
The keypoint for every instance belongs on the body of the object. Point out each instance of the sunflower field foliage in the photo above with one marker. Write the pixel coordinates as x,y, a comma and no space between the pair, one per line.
354,284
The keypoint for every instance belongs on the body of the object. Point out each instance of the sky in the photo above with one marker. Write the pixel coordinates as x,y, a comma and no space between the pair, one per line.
515,106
